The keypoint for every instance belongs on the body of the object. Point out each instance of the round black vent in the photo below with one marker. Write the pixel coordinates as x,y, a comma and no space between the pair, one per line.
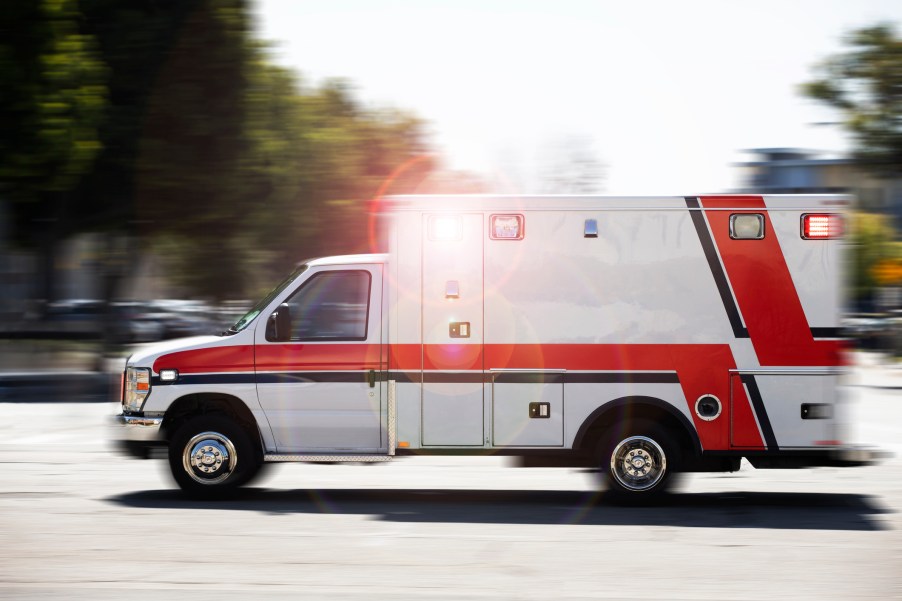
708,407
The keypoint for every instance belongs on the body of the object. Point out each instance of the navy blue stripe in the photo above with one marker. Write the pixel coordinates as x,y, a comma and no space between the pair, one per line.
246,378
429,378
758,403
313,376
622,378
265,378
827,333
585,378
526,377
406,377
453,378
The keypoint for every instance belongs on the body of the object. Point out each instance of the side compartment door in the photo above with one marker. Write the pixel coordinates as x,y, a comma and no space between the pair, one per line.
792,409
527,408
320,387
453,410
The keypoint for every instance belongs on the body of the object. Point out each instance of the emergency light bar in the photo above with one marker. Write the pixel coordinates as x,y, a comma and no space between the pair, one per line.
821,226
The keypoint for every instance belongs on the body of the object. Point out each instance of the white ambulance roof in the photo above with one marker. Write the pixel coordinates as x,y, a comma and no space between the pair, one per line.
348,259
512,202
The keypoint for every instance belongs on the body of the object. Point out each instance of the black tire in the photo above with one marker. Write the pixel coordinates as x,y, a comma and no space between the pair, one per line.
211,456
639,461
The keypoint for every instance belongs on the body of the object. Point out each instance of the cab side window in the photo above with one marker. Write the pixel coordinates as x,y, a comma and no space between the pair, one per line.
331,305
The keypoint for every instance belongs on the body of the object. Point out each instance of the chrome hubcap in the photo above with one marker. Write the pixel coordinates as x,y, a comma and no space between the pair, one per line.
209,458
638,463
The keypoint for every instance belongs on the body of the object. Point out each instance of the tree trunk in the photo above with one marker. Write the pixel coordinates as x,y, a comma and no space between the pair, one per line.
51,234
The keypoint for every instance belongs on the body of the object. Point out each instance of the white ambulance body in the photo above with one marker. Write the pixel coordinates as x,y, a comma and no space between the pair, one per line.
637,336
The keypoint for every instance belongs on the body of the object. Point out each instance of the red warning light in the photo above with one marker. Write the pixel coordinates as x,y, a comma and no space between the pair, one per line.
822,227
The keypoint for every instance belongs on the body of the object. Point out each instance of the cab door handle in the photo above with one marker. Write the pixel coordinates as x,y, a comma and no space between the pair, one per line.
371,378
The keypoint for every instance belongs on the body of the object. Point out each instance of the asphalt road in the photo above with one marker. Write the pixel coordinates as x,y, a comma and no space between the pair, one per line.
79,521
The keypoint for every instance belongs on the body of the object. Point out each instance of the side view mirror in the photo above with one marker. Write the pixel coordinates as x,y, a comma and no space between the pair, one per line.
278,328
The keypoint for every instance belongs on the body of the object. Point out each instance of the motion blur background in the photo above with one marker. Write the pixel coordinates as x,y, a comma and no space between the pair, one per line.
164,162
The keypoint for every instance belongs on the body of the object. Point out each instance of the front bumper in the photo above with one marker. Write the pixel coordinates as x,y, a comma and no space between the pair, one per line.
139,436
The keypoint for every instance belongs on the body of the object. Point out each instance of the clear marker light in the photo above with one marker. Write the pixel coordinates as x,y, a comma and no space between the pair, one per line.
747,226
507,227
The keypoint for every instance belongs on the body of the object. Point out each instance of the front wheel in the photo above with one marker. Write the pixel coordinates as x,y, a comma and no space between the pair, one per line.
211,456
639,462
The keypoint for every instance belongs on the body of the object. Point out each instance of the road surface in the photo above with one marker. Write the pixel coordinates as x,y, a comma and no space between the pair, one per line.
79,521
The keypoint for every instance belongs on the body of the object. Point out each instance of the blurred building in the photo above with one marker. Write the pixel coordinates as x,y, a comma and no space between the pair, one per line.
78,276
16,269
797,171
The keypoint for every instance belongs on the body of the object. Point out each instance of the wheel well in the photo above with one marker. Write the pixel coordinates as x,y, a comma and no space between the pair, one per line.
193,405
630,409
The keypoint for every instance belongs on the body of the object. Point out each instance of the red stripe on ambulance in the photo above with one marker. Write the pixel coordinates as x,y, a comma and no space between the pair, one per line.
764,290
234,358
318,357
693,363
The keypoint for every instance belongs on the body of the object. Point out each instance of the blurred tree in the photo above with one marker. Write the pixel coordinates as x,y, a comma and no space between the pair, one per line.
52,104
162,121
310,162
355,154
173,137
865,84
872,239
85,91
240,238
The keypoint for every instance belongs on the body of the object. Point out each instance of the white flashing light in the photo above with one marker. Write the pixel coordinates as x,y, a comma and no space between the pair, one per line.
445,227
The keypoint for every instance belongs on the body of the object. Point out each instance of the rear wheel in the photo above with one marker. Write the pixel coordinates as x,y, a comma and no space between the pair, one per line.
639,462
210,456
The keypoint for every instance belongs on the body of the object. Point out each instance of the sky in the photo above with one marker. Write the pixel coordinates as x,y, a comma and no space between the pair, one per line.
665,95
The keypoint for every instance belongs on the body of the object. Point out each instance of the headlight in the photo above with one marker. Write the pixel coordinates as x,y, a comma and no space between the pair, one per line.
137,387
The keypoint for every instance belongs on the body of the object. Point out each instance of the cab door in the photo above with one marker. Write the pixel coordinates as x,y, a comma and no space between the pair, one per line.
318,378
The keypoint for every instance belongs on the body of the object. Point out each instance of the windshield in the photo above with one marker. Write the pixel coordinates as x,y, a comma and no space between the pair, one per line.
253,313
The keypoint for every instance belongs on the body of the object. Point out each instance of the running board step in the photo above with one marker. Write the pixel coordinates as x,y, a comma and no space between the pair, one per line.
327,458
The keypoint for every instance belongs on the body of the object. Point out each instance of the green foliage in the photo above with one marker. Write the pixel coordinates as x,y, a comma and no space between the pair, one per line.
174,119
865,85
352,152
192,138
164,121
311,162
53,99
872,241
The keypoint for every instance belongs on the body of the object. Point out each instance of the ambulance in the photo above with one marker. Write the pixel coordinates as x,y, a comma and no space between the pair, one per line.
638,337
